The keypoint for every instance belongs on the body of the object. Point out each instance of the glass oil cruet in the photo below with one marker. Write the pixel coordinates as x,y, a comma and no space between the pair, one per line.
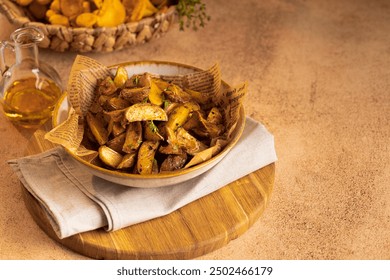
29,88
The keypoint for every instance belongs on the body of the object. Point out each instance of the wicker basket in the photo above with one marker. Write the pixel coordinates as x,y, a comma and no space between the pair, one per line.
104,39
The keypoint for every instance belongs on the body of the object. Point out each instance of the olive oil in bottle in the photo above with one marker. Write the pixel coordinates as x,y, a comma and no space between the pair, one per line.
29,88
29,102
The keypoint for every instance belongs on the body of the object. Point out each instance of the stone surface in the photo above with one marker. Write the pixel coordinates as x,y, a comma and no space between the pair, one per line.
318,75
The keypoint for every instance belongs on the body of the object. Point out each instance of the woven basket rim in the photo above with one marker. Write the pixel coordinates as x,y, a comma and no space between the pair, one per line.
16,15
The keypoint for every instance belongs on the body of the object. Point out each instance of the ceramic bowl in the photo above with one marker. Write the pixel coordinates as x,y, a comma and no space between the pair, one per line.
152,180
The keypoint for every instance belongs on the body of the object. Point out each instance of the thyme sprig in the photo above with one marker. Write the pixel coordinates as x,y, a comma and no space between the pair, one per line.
192,13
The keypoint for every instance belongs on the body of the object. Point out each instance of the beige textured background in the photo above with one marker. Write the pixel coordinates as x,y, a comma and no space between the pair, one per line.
319,79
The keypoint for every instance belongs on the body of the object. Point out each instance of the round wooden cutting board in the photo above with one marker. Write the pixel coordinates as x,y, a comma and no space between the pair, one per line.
189,232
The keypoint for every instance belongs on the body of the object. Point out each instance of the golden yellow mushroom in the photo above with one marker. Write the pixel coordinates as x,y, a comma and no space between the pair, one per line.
59,20
143,8
24,2
86,20
43,2
111,13
71,8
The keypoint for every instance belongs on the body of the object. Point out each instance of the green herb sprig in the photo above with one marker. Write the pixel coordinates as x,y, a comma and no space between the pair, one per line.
192,13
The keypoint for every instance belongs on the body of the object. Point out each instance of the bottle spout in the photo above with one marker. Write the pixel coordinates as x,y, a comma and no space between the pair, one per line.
27,35
25,41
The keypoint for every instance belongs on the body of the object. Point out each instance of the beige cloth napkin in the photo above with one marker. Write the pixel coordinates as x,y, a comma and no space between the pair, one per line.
76,201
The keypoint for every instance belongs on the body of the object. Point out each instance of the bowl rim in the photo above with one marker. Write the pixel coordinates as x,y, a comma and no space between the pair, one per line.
238,130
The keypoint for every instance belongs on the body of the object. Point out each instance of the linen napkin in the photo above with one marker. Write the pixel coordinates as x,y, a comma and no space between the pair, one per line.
76,201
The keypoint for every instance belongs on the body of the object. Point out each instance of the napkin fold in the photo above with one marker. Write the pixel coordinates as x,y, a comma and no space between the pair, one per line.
76,201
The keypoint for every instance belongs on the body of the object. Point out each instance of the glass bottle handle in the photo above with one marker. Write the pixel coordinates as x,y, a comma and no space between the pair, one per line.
3,46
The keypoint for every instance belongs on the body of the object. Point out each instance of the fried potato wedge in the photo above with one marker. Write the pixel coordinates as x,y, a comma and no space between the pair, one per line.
116,115
178,117
145,159
117,142
145,112
116,103
151,132
109,157
97,128
202,127
162,85
173,162
135,95
133,137
117,129
107,86
128,161
120,77
96,106
198,96
188,142
138,81
170,149
156,95
169,106
176,94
